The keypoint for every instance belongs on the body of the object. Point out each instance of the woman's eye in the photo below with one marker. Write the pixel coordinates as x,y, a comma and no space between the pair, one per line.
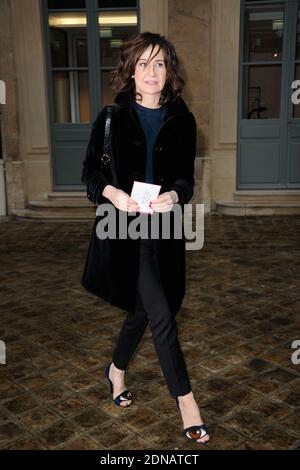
158,64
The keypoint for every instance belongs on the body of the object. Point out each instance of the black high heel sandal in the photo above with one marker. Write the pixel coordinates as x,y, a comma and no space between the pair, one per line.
194,432
126,395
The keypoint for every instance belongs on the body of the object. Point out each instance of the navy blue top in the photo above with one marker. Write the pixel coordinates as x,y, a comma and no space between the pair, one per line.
151,119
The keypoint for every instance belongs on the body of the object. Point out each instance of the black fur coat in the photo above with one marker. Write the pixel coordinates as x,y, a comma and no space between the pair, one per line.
111,267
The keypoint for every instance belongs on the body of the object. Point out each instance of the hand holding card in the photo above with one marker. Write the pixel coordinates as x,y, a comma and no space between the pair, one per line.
143,193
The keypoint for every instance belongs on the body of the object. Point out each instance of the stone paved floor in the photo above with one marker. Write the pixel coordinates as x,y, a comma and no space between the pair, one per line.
236,327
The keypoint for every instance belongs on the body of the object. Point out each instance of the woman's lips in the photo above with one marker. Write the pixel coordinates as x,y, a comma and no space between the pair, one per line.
151,83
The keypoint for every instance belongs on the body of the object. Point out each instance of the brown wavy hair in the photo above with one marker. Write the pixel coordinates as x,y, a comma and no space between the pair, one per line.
130,52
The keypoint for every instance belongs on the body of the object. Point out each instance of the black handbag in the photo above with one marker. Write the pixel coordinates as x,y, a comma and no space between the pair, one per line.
107,164
107,160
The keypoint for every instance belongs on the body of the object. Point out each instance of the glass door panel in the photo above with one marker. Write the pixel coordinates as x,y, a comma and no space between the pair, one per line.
117,3
65,4
262,84
263,34
69,62
263,43
115,28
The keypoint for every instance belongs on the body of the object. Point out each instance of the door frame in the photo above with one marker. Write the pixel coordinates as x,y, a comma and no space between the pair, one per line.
250,126
79,131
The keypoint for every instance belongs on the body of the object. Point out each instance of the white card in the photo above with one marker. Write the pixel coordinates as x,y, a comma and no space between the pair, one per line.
143,193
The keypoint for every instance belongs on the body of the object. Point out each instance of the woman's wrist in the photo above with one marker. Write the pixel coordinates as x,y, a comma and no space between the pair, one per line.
174,196
107,191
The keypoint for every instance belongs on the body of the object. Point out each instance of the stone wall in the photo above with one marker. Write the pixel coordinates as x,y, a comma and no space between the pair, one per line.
189,30
9,112
224,98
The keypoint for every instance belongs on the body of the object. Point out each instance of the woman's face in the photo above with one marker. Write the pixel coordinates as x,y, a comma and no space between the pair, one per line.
150,78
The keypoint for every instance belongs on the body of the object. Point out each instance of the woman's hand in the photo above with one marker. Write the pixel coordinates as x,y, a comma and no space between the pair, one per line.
120,199
164,202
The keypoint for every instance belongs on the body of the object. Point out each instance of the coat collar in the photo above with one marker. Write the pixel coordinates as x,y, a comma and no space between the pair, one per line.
126,99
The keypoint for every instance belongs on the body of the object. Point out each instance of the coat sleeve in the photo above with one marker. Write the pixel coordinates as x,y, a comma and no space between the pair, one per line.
184,184
91,175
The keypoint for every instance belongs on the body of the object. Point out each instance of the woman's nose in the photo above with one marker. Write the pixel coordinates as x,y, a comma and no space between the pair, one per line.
152,69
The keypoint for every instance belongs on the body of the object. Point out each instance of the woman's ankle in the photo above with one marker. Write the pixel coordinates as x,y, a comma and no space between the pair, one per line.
115,369
186,398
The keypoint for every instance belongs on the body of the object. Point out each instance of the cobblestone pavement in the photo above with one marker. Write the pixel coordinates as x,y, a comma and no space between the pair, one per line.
236,327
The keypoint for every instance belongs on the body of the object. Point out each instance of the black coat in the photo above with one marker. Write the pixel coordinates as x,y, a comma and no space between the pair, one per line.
111,267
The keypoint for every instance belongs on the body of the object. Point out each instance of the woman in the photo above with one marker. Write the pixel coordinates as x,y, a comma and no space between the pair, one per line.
154,141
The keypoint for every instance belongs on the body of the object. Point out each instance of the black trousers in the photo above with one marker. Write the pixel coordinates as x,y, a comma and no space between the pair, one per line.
152,306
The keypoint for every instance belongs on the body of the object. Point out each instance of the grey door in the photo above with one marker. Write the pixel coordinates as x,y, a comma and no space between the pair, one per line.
293,111
82,40
268,120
